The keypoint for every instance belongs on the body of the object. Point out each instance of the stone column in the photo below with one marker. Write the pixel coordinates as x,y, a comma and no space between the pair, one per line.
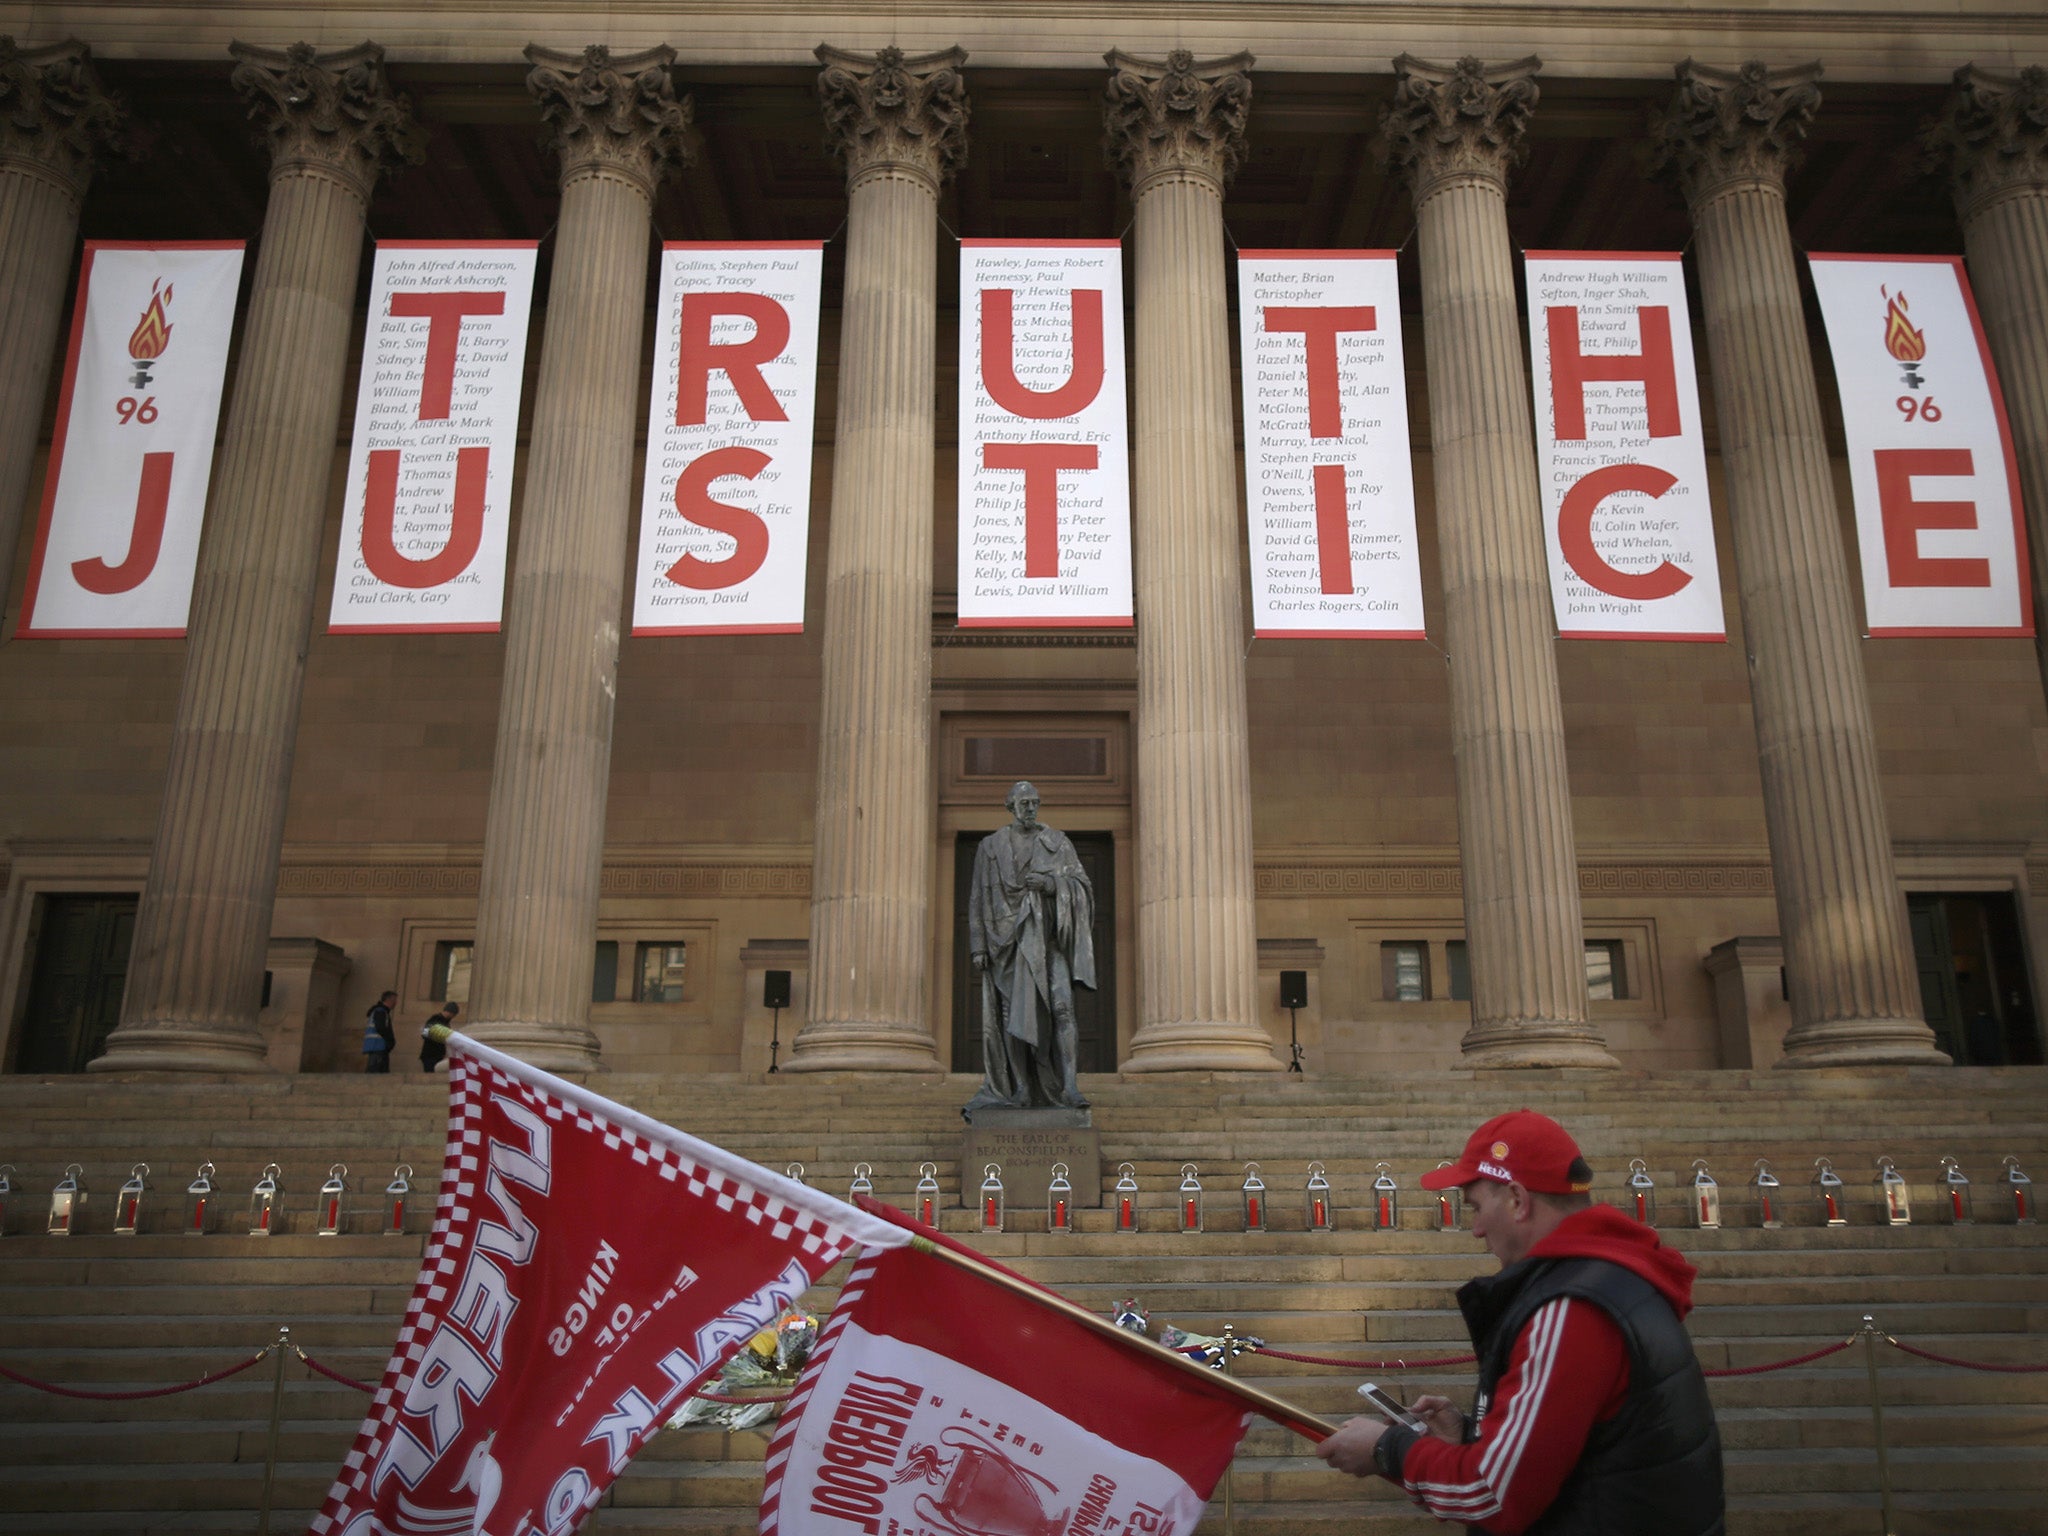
900,124
1455,132
53,119
618,129
195,976
1993,137
1175,131
1848,960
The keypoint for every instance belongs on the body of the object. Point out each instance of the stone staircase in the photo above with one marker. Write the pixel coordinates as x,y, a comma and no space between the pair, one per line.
1968,1450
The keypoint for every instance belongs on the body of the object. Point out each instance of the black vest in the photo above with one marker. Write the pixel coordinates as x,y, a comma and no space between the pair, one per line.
1654,1469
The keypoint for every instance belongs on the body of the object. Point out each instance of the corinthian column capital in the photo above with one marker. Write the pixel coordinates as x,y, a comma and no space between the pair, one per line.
54,116
331,112
1734,127
1992,136
885,112
1176,116
612,116
1458,121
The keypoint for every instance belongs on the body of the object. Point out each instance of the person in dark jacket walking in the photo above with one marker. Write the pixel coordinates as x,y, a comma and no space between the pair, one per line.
432,1050
1592,1415
378,1035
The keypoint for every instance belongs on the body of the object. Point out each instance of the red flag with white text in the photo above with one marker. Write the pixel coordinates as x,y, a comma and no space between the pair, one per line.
939,1404
588,1268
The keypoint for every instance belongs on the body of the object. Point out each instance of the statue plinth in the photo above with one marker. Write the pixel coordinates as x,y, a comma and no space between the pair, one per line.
1027,1142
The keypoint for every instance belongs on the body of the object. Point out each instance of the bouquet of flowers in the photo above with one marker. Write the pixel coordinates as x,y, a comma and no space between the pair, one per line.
762,1374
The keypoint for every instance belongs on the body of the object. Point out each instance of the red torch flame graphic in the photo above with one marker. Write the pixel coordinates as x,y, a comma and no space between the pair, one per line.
1902,338
152,332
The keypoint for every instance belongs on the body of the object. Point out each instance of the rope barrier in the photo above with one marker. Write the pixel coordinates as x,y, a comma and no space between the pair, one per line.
129,1397
1967,1365
1782,1365
329,1372
1339,1363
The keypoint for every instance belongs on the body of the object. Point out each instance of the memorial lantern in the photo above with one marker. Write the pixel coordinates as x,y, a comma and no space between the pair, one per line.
794,1172
1322,1216
396,1195
1706,1197
1254,1199
1386,1199
1893,1198
6,1194
1829,1195
928,1193
199,1201
1059,1201
128,1203
1126,1197
263,1202
1770,1210
1957,1190
863,1182
2018,1188
67,1201
1642,1192
1450,1205
992,1197
332,1197
1190,1198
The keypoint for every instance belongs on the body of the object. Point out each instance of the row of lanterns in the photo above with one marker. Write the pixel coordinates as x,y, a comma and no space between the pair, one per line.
1829,1196
203,1197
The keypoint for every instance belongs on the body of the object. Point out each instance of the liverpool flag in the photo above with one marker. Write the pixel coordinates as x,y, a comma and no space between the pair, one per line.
588,1268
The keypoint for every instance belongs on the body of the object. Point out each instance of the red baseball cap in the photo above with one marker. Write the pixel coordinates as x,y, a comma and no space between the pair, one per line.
1519,1147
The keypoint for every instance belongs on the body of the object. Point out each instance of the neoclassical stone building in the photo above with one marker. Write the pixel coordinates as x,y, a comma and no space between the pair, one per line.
1494,847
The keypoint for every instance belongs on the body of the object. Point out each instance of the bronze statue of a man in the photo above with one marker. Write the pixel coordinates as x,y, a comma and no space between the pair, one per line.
1030,934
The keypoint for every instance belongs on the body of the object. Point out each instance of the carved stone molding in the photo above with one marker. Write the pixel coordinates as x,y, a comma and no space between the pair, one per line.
54,115
1725,128
1176,115
633,878
607,115
890,112
1992,136
1450,121
333,112
1341,877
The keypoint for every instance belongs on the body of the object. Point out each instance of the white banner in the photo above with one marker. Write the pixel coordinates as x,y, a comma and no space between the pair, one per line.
1045,486
125,494
1623,458
1937,490
428,508
725,506
1329,490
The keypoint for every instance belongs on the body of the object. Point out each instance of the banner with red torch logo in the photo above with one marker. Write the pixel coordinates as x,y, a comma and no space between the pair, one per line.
1620,449
428,509
125,494
1328,484
588,1268
725,505
1938,512
1045,488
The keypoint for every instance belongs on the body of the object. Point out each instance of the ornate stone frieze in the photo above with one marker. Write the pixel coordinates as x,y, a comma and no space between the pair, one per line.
1455,120
886,110
53,113
1344,877
611,114
1992,135
678,878
1176,114
328,111
1729,127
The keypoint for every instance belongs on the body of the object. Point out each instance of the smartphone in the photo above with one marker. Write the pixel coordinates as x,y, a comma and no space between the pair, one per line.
1390,1409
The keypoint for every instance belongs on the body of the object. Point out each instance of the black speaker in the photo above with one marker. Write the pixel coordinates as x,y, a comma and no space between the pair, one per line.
775,989
1294,989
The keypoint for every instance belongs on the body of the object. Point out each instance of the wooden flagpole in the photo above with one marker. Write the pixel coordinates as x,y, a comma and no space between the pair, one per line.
1283,1413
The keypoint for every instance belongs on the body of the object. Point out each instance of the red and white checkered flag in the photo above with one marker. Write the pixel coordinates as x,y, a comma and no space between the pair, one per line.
588,1268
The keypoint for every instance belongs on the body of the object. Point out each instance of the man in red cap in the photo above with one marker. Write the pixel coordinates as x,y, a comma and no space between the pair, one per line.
1591,1415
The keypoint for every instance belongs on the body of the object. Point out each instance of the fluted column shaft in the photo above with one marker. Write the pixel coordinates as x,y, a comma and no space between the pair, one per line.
53,118
195,974
1848,960
537,896
1994,136
900,124
1176,130
1457,130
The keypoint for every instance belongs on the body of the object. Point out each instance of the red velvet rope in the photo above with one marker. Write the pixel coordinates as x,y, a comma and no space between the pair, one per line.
129,1397
1367,1365
1968,1365
332,1375
1782,1365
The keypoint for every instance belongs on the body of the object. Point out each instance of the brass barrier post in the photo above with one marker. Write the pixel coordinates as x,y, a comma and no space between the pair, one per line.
1884,1470
284,1339
1229,1472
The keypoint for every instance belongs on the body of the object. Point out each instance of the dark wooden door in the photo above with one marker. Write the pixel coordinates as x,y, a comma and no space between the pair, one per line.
74,992
1094,1011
